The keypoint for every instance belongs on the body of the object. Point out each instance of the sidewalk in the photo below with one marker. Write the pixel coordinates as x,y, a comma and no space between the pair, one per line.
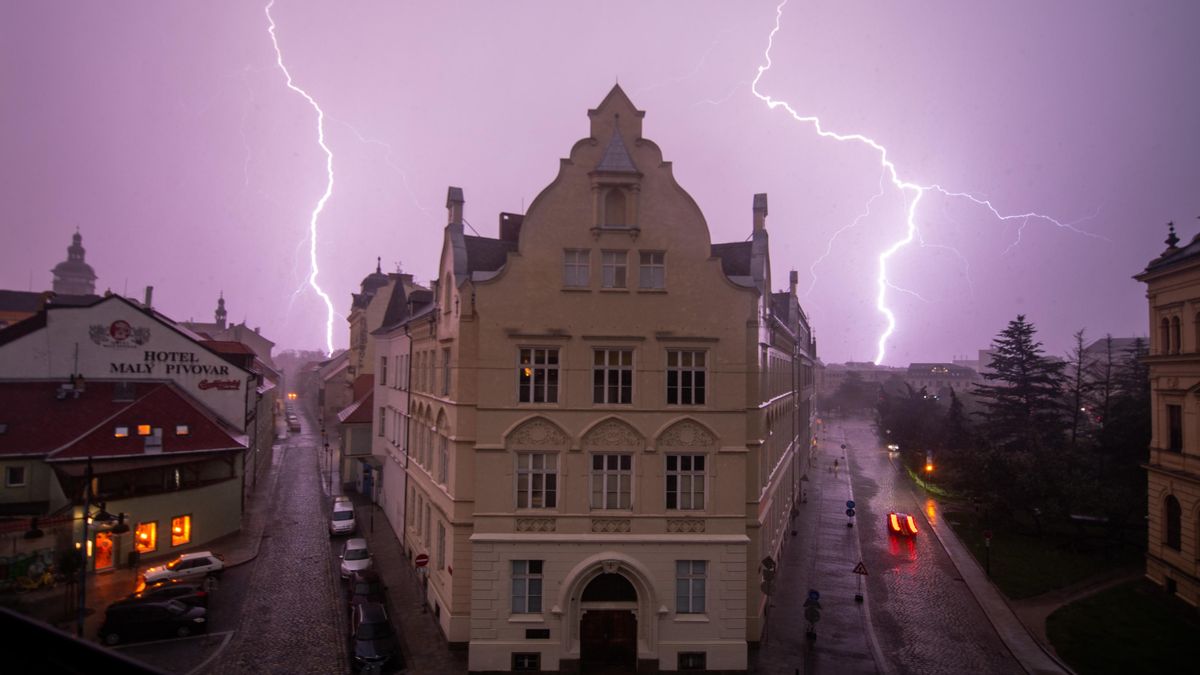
1035,659
820,556
425,647
53,606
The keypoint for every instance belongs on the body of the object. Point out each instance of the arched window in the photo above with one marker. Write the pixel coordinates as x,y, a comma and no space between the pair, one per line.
1176,341
1164,338
446,294
1196,333
614,207
1172,515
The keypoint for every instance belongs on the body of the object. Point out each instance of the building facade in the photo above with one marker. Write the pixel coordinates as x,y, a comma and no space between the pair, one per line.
1173,468
605,411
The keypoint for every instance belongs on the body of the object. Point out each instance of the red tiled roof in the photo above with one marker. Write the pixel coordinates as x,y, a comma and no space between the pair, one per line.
227,347
76,428
358,412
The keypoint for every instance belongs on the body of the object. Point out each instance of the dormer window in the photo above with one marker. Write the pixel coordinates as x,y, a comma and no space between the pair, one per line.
615,210
143,430
182,430
121,432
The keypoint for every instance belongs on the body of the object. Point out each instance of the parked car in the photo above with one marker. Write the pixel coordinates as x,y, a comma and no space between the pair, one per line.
293,424
355,557
142,620
192,595
365,586
342,520
372,641
186,566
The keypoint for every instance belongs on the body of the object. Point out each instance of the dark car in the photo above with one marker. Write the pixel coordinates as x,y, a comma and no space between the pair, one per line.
192,595
901,524
372,641
365,586
143,620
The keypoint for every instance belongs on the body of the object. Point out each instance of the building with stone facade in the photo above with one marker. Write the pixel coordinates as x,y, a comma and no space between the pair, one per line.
1173,468
604,411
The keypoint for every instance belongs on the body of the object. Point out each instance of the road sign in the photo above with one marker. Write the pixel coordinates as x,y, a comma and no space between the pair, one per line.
849,503
768,563
860,568
813,596
421,560
850,512
812,614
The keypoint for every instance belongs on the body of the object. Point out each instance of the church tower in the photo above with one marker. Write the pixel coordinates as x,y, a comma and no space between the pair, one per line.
73,276
220,314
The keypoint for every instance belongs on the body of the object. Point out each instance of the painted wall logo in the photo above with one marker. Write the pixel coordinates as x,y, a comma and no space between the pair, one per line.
221,385
119,334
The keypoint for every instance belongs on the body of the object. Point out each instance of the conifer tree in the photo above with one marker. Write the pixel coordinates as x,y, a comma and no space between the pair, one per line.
1022,396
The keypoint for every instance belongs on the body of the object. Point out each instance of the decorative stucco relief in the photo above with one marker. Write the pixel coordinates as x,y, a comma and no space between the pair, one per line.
537,432
613,434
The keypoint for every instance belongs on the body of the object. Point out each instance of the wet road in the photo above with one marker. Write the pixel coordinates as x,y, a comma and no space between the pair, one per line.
925,619
291,620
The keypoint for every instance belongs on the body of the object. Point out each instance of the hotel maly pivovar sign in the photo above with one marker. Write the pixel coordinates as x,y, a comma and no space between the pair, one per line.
128,340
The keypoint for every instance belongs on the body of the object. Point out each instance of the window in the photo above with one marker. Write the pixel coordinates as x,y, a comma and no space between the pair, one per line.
143,430
689,586
537,480
1176,336
145,537
612,480
14,476
686,377
182,430
383,370
526,661
614,207
1175,428
575,268
181,530
652,271
526,586
685,481
612,376
445,372
1172,515
425,530
537,376
613,267
692,661
382,421
441,547
121,432
443,459
1164,336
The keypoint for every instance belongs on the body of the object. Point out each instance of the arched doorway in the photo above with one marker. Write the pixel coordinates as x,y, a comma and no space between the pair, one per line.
608,626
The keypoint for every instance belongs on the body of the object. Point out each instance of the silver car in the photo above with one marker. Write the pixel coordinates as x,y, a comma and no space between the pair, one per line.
355,557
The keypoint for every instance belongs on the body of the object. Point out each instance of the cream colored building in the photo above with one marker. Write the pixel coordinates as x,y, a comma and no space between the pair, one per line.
1173,470
605,408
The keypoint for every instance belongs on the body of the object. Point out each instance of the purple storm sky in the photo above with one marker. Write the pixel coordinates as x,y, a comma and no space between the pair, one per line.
166,133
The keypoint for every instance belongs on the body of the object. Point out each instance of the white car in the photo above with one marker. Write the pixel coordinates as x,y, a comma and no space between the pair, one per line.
341,521
355,557
186,566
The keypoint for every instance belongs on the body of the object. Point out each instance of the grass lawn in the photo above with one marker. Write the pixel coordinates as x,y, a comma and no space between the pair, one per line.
1131,628
1023,565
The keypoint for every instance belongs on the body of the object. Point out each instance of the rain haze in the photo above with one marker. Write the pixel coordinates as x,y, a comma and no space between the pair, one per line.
166,133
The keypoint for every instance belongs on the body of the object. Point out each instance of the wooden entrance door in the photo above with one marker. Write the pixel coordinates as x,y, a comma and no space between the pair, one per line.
608,641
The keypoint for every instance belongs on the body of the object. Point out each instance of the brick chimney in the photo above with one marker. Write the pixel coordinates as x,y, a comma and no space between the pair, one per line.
760,212
454,205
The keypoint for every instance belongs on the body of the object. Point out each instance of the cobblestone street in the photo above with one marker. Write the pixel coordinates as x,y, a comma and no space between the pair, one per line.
291,621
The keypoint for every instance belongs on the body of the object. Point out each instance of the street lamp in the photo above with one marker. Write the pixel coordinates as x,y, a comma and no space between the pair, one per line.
103,517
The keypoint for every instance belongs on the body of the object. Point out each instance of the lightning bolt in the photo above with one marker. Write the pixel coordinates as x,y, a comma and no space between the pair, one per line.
812,270
316,213
912,192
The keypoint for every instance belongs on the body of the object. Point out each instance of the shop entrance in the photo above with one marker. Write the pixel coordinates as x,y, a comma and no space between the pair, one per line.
103,555
608,626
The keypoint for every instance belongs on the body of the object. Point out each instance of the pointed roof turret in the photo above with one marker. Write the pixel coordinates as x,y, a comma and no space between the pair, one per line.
616,156
74,276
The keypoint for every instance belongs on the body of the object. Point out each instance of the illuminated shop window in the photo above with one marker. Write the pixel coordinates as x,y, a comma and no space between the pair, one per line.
146,537
182,430
121,432
181,530
143,429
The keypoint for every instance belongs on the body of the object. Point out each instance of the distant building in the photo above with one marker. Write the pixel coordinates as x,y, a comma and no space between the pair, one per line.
74,276
1173,469
939,379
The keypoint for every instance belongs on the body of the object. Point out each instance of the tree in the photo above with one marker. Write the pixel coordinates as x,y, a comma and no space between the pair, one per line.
1022,397
1081,387
852,394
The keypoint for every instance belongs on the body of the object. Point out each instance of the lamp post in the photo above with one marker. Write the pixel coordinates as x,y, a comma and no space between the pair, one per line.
103,516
